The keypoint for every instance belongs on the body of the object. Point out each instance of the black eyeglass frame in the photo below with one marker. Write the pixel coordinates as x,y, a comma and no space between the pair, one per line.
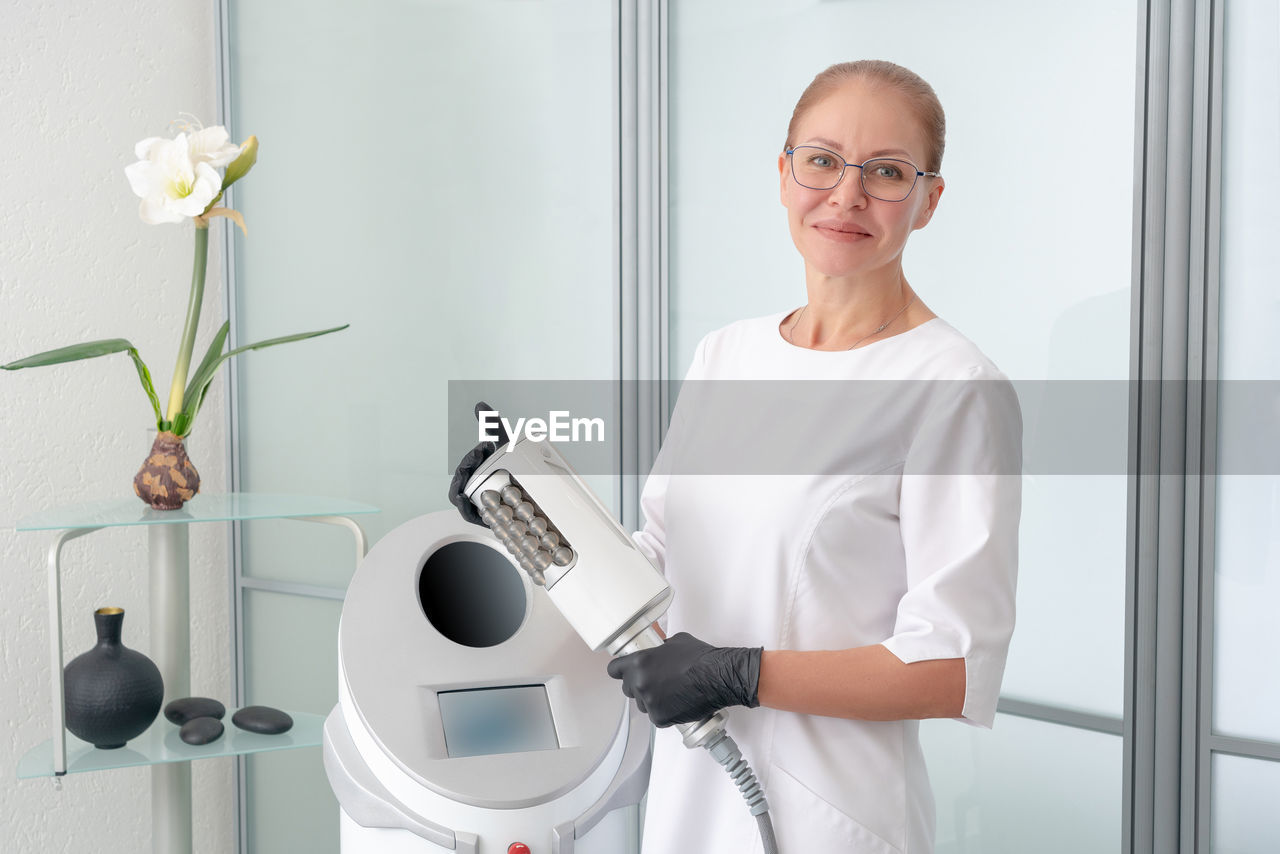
861,173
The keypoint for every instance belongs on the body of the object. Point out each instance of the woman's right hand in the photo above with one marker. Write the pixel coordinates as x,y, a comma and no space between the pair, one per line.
467,467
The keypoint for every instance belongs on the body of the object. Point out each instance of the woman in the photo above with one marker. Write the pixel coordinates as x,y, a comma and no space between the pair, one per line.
830,605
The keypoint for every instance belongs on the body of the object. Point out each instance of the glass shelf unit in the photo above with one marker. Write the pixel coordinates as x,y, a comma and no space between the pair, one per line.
161,744
229,507
169,607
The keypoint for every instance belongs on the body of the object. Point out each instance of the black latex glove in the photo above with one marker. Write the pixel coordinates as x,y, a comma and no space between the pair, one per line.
687,680
467,467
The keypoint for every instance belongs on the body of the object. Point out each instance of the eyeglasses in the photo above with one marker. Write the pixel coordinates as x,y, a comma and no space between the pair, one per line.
884,178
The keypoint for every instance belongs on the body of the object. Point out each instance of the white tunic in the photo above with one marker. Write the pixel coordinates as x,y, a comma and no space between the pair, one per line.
878,504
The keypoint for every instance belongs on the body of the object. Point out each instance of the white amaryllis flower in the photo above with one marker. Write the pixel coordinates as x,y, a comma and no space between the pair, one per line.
175,178
212,146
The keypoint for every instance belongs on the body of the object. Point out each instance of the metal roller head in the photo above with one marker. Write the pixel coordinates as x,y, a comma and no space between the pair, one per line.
525,511
528,545
535,574
538,525
504,513
517,528
490,499
511,495
550,540
562,556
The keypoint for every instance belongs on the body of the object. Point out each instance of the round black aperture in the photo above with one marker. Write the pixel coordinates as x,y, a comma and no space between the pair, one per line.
472,594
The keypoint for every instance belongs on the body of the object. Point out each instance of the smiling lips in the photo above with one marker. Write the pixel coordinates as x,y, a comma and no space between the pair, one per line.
842,231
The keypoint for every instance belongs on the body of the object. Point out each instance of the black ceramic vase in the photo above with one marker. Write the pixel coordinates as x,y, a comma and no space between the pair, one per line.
112,692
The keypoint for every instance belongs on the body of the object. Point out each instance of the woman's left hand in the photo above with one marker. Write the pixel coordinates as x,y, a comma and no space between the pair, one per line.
686,680
468,465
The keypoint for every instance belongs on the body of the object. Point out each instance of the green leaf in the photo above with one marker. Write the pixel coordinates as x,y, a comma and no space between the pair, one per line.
203,377
91,350
203,373
145,376
74,353
271,342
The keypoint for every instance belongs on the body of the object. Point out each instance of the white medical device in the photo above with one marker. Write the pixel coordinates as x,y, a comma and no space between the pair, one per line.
470,718
567,541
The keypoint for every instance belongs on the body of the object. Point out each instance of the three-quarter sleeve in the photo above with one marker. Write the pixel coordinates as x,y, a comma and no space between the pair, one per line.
959,508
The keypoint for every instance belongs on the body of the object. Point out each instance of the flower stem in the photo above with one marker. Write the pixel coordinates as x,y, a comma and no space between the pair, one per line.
193,320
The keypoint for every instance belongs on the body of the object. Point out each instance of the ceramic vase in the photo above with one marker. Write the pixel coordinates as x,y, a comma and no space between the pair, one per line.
167,479
113,693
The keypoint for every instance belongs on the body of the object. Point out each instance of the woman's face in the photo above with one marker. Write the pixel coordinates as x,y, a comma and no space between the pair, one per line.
843,232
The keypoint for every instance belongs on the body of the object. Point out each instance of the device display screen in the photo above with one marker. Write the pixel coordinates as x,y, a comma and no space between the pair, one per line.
484,721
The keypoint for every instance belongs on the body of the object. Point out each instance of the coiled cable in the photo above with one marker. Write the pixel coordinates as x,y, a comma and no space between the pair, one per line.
726,751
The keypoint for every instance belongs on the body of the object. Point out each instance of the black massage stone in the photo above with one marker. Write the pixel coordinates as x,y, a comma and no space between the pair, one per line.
190,708
262,719
201,730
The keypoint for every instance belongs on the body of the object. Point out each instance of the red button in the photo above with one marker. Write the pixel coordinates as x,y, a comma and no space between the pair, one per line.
518,848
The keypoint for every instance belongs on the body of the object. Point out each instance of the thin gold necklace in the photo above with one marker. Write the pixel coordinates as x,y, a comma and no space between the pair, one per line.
881,328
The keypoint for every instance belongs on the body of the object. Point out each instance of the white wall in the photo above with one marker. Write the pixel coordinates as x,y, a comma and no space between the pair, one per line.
80,83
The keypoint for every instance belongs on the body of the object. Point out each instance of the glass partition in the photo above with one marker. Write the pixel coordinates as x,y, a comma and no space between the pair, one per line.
1247,579
1245,794
441,176
289,804
991,788
1245,788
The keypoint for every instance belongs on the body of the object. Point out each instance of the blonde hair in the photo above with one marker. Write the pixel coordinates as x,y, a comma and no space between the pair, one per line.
881,73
